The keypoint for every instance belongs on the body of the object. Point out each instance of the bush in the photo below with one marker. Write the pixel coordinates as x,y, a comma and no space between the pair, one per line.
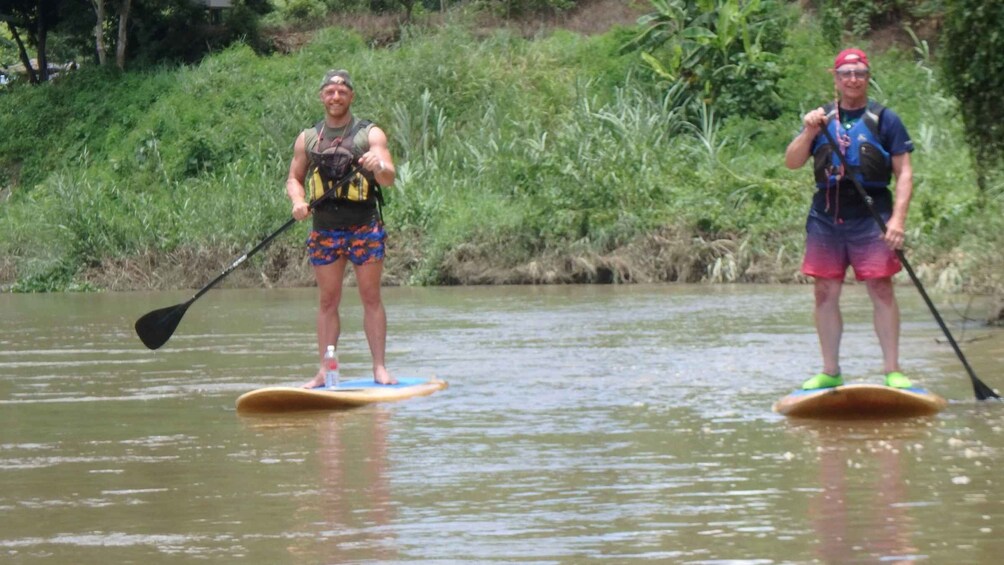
305,10
973,65
722,52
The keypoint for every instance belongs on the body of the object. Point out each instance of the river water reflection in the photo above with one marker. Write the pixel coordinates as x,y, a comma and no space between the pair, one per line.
583,422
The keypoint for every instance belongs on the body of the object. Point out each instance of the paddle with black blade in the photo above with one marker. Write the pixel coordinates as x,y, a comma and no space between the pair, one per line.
982,391
156,327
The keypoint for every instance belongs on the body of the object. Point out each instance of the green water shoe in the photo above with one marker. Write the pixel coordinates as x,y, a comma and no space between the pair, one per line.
896,379
822,380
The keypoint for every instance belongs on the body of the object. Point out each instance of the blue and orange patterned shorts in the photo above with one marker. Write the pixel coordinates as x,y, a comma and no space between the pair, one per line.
361,244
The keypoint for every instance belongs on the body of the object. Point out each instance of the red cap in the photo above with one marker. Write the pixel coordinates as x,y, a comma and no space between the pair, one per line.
850,56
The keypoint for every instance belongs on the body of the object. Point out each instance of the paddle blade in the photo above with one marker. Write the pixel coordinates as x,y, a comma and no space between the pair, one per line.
156,327
983,392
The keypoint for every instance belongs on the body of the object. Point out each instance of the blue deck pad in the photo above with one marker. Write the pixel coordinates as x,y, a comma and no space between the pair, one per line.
358,384
800,392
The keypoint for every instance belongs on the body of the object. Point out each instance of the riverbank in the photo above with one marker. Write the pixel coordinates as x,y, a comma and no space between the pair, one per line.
663,257
658,257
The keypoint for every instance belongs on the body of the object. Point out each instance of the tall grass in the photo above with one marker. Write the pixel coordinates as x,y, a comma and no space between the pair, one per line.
516,160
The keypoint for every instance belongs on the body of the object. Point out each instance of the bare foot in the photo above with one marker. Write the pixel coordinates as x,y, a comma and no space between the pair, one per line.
315,382
381,376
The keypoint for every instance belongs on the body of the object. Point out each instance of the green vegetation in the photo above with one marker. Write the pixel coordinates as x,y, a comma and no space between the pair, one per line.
974,67
140,33
557,159
861,17
723,52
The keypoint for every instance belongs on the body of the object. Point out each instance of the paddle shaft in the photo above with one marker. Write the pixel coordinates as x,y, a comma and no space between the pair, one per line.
156,327
981,390
264,243
243,258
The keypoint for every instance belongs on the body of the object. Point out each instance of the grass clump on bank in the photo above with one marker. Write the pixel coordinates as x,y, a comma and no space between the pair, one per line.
551,160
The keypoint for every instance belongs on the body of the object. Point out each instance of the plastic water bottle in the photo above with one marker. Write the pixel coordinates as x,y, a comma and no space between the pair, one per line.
330,364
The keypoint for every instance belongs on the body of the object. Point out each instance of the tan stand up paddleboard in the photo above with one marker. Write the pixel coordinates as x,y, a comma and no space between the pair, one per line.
860,401
348,394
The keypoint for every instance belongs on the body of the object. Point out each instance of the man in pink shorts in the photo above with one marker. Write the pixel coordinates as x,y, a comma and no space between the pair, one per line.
874,147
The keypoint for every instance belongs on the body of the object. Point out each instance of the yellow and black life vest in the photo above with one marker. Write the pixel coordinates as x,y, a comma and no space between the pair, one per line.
331,159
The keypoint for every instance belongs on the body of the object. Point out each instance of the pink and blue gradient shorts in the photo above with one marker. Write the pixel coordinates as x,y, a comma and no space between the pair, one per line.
361,244
831,245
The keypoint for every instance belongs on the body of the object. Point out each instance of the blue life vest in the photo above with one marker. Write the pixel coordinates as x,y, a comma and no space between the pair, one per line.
864,157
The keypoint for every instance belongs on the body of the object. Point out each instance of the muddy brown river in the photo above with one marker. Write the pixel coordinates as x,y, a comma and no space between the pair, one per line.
582,424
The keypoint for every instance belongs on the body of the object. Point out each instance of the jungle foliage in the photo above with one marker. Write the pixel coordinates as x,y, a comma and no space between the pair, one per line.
973,64
145,32
721,52
558,159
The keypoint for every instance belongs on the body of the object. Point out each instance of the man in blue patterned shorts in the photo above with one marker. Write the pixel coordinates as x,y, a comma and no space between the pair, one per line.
339,165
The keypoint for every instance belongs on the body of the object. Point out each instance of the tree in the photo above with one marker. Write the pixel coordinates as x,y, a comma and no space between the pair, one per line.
35,18
409,6
120,45
99,30
100,18
973,64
